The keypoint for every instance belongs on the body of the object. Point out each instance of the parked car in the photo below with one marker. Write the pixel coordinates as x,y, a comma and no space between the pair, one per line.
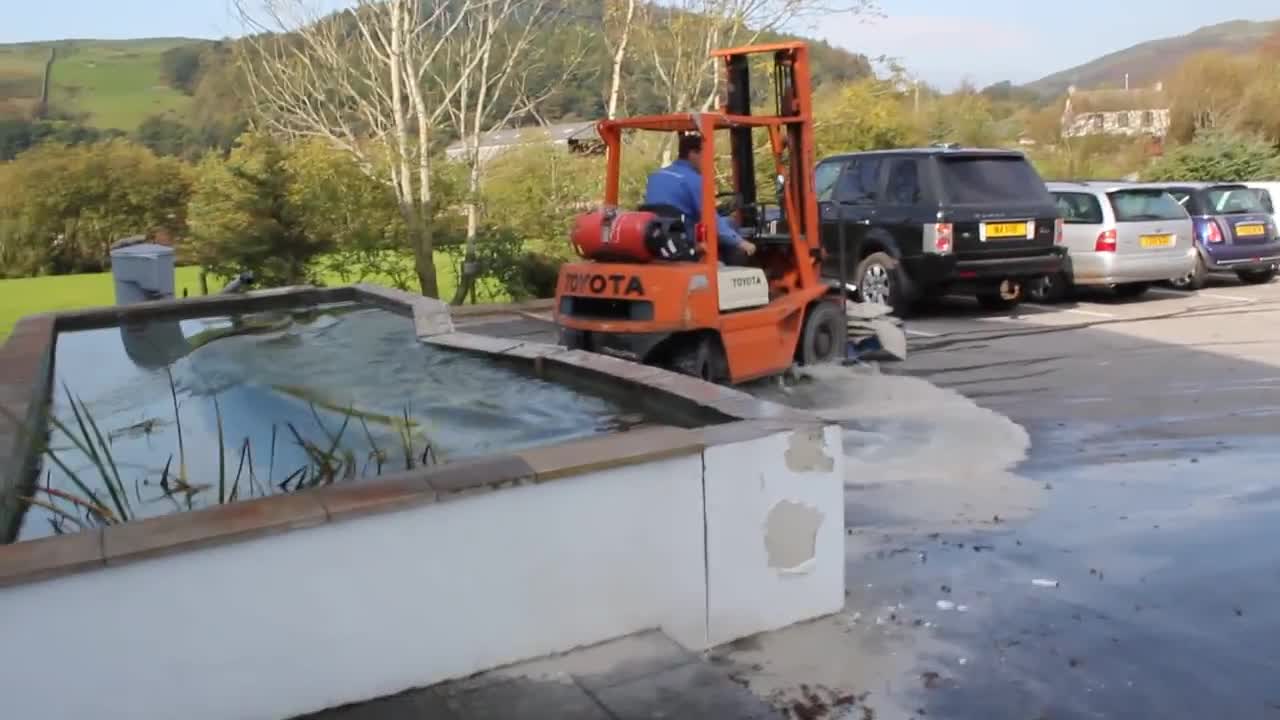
918,223
1118,236
1233,232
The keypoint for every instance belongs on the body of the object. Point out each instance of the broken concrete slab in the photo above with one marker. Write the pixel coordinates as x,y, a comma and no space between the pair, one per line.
892,339
866,311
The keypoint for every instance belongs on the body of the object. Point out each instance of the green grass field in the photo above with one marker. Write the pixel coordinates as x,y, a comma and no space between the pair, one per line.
114,83
28,296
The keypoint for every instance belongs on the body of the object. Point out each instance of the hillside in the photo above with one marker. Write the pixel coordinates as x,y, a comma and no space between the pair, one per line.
116,85
106,84
1153,60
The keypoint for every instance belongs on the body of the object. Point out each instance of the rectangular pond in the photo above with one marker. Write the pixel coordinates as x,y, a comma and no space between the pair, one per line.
170,415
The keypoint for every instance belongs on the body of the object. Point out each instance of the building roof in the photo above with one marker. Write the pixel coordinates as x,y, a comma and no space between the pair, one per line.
1118,100
535,134
928,151
1191,185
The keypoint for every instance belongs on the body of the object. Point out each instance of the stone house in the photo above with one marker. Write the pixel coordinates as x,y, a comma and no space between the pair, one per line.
1140,112
573,136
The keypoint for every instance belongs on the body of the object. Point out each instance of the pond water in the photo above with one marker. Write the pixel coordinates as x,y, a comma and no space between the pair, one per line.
175,415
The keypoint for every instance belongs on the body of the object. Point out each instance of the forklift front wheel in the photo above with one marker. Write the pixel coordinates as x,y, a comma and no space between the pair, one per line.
825,334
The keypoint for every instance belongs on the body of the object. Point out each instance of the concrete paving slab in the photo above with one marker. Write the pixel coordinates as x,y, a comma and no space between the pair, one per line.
424,704
525,699
511,327
647,675
608,664
689,692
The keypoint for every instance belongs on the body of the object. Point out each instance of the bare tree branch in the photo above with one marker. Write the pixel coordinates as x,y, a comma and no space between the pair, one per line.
680,35
355,79
506,79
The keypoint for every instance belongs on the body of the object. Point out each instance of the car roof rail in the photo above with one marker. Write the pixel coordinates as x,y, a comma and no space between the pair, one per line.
946,145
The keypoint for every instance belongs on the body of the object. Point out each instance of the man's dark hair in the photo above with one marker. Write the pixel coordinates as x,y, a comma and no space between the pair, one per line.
689,142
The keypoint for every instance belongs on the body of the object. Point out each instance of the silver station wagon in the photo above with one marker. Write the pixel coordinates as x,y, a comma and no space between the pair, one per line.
1119,236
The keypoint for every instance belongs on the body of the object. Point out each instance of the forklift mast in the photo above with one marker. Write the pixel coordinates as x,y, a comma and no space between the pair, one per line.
792,105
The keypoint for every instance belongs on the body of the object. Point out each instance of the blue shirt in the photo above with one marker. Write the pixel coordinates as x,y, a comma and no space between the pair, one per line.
680,186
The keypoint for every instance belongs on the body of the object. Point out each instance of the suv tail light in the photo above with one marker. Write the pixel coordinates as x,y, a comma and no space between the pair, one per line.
1059,231
939,238
1106,241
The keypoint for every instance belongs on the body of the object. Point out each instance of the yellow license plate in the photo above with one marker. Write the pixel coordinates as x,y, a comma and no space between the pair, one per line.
1250,230
1156,241
1007,230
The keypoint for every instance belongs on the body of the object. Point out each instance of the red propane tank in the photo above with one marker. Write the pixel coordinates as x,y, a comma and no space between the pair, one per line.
615,237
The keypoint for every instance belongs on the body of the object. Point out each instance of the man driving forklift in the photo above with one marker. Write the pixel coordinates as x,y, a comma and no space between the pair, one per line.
678,187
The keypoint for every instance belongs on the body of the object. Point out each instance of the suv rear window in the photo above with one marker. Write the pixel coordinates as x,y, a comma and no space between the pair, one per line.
1078,208
1234,201
1145,206
977,180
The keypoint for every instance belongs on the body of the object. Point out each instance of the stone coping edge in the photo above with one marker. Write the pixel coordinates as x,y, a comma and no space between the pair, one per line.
26,371
26,361
52,557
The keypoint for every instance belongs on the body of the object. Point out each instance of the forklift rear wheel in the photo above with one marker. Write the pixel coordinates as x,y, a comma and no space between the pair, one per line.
700,357
825,334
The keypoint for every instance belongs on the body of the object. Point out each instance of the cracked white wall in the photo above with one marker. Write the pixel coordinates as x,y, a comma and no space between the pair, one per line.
303,620
775,532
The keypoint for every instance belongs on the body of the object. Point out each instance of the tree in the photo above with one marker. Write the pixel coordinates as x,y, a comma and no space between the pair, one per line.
538,191
219,106
1217,155
180,67
63,206
352,215
356,80
619,17
243,218
1206,90
676,40
863,115
498,38
962,117
165,136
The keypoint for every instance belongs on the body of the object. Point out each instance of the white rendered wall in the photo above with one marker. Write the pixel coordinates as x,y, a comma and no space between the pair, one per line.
775,532
348,611
343,612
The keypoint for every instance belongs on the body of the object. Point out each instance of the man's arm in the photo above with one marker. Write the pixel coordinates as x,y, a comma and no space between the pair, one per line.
725,232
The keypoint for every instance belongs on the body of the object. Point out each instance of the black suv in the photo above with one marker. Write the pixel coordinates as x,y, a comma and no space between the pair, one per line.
919,223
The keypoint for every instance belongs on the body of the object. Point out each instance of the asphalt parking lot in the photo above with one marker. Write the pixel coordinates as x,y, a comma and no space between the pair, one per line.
1121,452
1158,356
1075,517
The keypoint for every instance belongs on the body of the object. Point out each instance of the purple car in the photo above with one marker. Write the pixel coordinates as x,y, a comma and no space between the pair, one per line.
1233,232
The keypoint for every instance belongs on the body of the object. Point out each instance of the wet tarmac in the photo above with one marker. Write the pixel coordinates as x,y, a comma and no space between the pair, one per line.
1123,453
1146,502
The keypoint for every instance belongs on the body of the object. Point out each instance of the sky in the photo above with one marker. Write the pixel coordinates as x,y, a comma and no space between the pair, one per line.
943,42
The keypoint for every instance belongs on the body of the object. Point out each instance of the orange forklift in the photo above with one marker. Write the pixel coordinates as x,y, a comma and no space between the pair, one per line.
653,290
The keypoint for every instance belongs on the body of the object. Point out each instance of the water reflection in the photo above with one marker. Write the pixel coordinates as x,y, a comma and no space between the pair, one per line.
272,402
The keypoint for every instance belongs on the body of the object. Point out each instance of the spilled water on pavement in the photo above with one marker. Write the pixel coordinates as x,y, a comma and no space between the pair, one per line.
920,461
920,455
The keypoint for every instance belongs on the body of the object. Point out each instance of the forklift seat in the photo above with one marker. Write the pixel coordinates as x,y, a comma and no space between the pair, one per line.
661,210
